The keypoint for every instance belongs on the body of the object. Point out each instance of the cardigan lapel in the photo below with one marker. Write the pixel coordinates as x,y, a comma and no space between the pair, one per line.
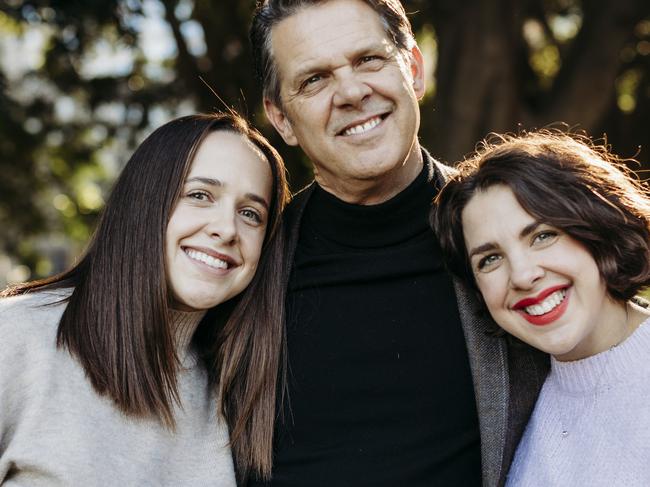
489,365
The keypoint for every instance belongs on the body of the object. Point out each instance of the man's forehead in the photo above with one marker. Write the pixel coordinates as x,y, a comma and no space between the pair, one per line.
316,35
315,62
319,19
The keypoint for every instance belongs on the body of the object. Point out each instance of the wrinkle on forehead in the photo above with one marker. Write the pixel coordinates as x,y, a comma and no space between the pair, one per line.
314,42
315,63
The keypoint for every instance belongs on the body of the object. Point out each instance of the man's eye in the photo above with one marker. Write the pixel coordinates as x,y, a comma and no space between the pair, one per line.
311,80
371,61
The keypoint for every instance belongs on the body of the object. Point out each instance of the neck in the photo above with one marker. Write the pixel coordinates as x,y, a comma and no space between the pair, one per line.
373,190
636,315
625,319
399,219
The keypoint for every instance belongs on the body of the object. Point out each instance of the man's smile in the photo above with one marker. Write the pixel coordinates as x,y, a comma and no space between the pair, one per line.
364,126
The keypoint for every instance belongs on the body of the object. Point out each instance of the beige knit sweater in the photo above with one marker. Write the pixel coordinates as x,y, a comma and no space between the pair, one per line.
56,431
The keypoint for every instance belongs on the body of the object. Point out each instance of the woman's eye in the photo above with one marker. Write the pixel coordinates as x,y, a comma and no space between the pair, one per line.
545,236
488,261
198,195
252,215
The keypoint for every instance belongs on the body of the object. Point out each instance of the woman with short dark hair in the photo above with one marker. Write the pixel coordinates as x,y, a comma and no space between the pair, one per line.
553,232
131,367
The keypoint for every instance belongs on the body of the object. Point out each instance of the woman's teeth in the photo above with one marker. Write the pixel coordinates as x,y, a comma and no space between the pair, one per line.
549,304
207,259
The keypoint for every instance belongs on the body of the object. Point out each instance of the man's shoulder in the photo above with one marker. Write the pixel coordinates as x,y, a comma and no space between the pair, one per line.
294,209
439,172
299,198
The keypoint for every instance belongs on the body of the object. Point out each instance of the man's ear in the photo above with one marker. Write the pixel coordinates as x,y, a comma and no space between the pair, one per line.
280,121
416,63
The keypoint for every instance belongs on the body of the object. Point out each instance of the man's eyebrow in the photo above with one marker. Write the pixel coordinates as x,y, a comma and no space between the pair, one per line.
305,70
215,182
308,70
313,68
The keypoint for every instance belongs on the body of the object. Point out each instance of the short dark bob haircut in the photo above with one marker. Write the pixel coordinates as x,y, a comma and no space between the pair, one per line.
563,180
117,321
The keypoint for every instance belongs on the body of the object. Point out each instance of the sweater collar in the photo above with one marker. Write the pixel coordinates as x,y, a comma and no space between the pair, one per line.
618,364
370,226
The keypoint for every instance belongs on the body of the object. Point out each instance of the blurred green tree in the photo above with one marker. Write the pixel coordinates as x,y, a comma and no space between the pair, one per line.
82,82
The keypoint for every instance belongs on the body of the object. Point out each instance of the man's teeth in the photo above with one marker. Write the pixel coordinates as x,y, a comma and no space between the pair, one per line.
364,127
550,303
207,259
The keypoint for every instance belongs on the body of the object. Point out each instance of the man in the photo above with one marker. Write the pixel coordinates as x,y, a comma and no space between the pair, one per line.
393,379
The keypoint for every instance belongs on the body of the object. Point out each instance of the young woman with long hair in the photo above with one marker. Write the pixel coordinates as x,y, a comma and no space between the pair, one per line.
161,349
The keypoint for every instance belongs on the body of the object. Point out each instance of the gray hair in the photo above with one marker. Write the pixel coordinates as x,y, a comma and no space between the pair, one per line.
268,13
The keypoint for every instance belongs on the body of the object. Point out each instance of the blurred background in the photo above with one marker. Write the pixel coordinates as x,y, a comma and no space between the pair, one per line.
82,82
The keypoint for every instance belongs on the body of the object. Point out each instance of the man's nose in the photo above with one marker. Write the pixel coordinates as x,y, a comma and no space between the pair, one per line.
351,90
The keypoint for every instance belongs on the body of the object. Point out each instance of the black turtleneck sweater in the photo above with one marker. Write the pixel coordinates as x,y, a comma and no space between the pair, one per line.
379,383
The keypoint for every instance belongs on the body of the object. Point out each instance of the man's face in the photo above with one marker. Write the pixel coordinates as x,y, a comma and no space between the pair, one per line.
349,99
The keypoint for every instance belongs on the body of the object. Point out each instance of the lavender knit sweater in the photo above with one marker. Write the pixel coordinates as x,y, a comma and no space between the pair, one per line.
591,424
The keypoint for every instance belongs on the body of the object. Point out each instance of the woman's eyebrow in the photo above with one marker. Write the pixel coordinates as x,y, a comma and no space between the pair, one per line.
482,248
528,229
215,182
208,181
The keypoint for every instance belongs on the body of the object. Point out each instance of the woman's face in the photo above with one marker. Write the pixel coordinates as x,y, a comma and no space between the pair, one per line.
215,233
538,283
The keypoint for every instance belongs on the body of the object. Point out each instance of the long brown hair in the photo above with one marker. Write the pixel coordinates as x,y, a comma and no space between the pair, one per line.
117,320
565,180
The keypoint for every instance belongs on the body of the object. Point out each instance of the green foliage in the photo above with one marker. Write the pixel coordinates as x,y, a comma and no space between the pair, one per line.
88,80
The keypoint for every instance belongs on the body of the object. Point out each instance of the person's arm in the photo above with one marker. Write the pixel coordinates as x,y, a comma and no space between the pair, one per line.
10,380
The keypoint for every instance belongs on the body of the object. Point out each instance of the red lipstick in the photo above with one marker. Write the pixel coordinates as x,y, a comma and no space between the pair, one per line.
539,298
546,318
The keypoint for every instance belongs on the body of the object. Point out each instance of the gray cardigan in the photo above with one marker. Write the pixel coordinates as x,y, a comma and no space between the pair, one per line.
507,374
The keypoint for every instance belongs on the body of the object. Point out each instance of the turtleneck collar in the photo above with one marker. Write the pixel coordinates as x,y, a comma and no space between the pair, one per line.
371,226
183,325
